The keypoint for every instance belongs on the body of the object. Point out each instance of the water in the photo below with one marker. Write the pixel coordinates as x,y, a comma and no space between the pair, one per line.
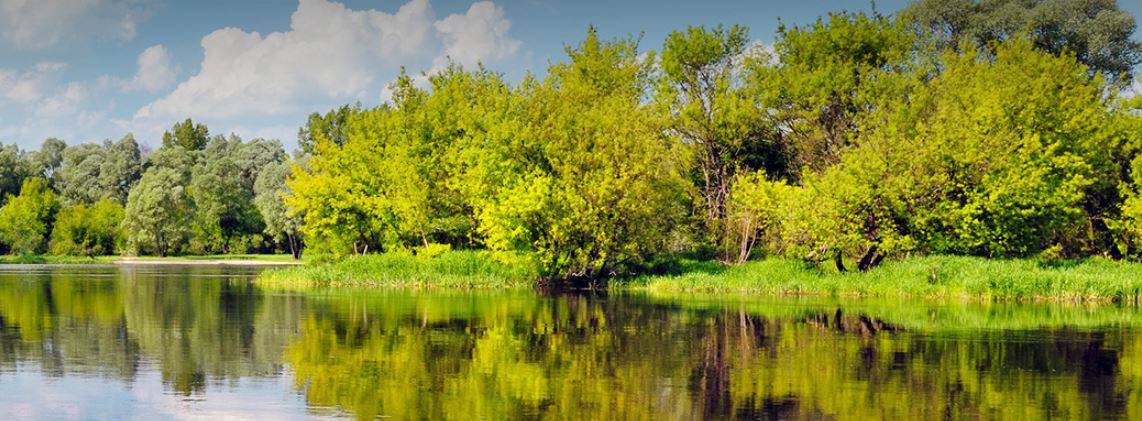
100,342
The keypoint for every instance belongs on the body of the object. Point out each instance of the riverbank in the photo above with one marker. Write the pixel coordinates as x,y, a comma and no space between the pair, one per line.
453,269
228,259
930,277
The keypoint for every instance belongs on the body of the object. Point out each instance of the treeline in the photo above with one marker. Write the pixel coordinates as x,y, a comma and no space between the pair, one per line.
974,129
197,194
994,129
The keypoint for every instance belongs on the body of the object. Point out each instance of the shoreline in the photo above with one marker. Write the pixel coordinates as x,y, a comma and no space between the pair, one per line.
939,278
203,262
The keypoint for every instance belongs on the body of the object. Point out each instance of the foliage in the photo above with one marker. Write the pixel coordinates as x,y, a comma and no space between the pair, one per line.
187,135
88,230
270,191
1097,32
158,214
26,220
724,127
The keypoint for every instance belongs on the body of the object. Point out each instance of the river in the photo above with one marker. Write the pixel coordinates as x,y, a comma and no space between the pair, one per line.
205,342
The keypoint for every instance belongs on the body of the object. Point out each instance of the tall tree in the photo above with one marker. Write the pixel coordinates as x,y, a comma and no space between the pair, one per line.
49,158
1097,32
78,179
158,214
121,168
281,222
703,93
14,168
187,135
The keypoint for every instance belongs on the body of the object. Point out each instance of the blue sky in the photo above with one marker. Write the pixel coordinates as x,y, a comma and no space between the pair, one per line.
88,70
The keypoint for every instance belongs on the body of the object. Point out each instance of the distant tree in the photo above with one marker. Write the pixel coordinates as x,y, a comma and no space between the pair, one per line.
121,168
14,168
281,223
331,125
78,179
187,135
1097,32
87,230
26,220
158,215
49,158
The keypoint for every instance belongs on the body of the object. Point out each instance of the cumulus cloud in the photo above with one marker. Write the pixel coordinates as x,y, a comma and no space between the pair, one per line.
155,70
481,34
331,54
34,24
27,85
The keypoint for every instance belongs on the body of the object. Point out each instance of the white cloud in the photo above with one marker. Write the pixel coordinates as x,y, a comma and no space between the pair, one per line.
330,52
155,71
29,85
330,55
33,24
479,35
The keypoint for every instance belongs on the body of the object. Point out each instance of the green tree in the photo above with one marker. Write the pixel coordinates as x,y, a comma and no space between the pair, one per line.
187,135
726,129
223,202
121,168
14,168
87,230
589,190
158,213
78,179
1006,156
1097,32
331,126
49,158
26,220
828,76
282,224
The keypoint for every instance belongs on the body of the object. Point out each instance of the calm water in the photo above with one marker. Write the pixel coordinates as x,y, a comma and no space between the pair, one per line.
203,342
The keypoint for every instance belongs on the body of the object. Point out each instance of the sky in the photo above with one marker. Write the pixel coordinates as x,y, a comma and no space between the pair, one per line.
89,70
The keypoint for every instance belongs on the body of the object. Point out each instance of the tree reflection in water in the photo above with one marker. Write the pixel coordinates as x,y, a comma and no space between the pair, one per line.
521,354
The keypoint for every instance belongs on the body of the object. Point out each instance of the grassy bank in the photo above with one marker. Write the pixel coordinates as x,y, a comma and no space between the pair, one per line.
936,277
944,277
455,269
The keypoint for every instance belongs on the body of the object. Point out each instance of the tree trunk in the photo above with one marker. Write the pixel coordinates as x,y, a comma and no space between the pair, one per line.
839,260
293,249
871,258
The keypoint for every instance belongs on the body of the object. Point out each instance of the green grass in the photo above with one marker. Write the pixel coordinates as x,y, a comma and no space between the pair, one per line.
931,277
453,269
939,277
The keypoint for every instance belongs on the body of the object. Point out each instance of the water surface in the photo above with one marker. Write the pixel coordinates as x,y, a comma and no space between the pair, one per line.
109,342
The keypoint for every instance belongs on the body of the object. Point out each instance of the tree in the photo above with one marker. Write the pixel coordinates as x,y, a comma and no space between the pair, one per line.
26,220
587,188
158,213
87,230
828,76
282,223
187,135
14,168
703,93
121,168
1001,157
1097,32
331,126
49,158
78,179
223,201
